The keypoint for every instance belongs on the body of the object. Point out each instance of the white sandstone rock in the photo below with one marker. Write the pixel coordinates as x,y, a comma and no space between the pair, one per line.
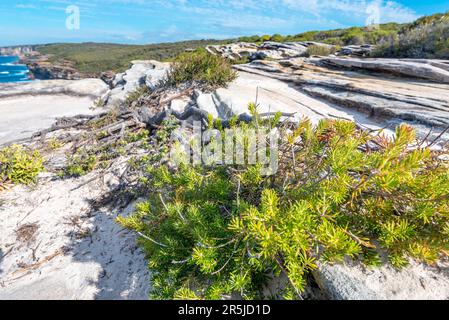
354,282
142,72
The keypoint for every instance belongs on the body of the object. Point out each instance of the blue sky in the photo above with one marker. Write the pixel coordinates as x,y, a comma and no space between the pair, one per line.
151,21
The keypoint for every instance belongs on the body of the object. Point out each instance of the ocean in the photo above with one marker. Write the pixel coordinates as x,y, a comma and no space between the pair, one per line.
10,71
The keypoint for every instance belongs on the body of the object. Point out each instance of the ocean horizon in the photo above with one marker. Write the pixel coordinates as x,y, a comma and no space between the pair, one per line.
10,71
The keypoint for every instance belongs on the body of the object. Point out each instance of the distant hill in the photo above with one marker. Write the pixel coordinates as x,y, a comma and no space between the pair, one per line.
100,57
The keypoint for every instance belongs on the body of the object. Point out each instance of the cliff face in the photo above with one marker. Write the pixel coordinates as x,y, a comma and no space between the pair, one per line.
41,67
45,70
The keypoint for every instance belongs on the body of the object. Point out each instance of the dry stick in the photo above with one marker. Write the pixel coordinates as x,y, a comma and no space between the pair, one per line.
34,251
39,264
425,138
439,136
291,282
7,252
227,262
154,241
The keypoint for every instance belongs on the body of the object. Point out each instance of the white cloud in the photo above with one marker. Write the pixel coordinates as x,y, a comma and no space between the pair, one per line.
172,20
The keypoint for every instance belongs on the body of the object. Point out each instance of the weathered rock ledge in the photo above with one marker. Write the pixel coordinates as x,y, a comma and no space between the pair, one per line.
33,106
83,88
383,96
351,281
278,51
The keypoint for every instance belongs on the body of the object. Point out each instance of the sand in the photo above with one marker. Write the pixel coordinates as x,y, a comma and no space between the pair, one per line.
69,252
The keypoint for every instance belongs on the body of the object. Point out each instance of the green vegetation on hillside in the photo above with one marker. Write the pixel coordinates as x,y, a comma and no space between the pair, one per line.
427,37
100,57
354,35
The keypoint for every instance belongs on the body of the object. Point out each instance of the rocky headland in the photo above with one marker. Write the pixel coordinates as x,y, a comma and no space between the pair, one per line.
77,251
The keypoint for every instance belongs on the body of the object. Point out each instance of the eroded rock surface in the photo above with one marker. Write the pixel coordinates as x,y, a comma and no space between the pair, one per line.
29,107
142,72
351,281
424,69
267,50
381,96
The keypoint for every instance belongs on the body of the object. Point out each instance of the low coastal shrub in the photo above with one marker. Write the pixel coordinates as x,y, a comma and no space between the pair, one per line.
317,50
340,192
202,68
428,38
19,165
79,165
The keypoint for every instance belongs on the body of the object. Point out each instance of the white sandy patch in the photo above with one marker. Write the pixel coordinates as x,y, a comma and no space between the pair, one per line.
73,254
24,115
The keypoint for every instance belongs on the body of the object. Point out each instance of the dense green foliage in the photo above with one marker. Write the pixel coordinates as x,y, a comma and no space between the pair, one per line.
100,57
202,68
339,192
317,50
427,37
19,165
354,35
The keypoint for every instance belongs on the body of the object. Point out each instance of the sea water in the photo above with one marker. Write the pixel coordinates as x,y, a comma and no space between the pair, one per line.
10,71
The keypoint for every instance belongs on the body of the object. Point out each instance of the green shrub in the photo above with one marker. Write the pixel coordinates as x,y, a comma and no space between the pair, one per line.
19,165
319,50
203,68
136,94
251,39
80,164
351,36
265,38
339,193
277,38
425,38
132,137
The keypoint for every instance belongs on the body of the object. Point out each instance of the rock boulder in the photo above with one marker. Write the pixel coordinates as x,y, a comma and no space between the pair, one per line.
142,73
351,281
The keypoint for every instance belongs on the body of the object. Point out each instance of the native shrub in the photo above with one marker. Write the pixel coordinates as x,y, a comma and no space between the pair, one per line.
340,192
202,68
425,38
321,50
19,165
80,164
